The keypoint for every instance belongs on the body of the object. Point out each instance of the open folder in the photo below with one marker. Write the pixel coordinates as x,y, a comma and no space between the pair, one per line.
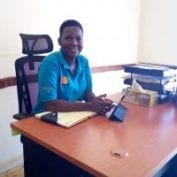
65,119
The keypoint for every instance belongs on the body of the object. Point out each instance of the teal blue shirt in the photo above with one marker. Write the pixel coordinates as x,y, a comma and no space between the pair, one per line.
56,81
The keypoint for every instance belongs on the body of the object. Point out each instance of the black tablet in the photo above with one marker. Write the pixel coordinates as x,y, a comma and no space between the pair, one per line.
118,113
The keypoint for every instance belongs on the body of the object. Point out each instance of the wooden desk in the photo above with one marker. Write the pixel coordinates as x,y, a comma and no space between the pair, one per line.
148,134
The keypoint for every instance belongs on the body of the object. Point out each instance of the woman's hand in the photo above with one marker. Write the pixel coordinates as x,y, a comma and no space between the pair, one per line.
101,104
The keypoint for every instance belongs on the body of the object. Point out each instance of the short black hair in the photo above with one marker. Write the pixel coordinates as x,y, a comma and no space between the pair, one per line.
70,22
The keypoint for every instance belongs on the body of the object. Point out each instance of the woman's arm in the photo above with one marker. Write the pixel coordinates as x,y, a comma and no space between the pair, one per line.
98,104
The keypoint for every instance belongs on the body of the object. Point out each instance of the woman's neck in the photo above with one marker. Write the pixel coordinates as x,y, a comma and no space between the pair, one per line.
70,61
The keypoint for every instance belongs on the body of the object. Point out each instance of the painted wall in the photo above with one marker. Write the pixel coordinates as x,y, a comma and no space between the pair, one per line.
111,28
10,146
158,32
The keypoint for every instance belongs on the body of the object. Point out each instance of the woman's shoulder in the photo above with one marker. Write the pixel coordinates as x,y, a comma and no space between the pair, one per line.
52,56
83,62
83,59
51,60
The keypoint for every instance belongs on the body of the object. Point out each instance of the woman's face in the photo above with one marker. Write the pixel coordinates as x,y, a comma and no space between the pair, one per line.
71,41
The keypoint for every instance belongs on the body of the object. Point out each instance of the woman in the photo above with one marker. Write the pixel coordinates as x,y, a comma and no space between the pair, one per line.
65,82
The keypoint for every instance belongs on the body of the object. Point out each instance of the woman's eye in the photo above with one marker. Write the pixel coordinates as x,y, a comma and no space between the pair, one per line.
68,38
78,39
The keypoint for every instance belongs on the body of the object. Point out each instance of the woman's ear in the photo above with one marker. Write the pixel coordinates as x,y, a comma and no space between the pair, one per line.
59,41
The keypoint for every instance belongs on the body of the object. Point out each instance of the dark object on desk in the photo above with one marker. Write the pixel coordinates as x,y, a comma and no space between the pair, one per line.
20,116
149,69
50,118
164,98
118,113
173,98
149,86
26,71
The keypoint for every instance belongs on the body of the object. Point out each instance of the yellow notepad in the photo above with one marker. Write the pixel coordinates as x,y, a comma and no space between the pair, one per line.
69,119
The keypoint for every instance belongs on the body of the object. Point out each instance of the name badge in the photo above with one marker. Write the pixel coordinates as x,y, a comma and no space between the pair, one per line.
64,80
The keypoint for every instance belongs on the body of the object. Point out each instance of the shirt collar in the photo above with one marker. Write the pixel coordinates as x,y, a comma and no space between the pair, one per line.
66,65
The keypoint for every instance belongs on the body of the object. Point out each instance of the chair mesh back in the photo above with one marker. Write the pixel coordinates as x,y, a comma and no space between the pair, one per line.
27,69
36,44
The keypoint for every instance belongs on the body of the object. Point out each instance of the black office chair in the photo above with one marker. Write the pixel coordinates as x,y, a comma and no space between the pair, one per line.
26,71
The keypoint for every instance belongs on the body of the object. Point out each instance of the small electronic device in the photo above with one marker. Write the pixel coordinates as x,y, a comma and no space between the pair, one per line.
118,113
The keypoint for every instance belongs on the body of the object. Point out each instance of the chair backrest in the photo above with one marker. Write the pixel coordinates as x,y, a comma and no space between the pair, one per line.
27,68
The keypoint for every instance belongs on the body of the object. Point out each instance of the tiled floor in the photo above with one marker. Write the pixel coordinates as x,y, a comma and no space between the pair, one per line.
15,172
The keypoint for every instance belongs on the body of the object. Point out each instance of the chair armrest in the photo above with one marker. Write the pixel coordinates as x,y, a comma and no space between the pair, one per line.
20,116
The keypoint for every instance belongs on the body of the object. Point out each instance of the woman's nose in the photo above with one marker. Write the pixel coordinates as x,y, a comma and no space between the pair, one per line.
74,42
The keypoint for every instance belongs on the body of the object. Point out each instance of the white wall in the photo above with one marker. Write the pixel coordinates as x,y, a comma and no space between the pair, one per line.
111,37
10,146
111,27
158,32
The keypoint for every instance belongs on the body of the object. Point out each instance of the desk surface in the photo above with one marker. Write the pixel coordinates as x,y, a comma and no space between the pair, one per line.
148,134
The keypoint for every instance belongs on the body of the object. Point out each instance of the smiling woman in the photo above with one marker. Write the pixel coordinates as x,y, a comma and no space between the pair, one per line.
67,76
